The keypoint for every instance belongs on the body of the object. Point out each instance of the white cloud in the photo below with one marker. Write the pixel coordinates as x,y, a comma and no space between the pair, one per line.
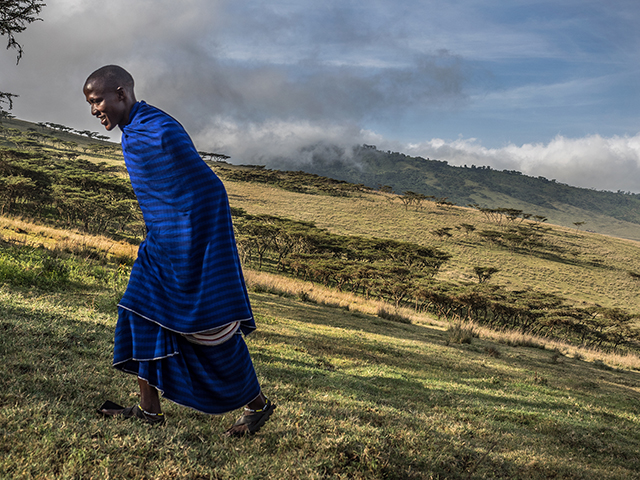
274,141
590,162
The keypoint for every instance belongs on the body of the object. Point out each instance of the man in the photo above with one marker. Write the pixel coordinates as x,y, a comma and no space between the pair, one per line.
186,305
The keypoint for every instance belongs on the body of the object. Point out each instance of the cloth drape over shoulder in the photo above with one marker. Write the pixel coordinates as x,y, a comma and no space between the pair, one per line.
187,276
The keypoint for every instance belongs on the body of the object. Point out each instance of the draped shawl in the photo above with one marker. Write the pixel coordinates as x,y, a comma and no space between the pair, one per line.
187,277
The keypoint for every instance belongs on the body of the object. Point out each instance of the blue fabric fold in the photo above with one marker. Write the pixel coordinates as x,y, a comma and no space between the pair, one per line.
187,276
212,380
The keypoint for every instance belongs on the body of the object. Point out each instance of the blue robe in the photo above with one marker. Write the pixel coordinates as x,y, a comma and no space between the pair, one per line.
187,277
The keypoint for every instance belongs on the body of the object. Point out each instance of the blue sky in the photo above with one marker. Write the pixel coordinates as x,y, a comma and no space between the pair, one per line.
549,88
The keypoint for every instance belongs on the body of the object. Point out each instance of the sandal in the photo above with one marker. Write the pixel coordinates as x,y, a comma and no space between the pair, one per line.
251,421
131,412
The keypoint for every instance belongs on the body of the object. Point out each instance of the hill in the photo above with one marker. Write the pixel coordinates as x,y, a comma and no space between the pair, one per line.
368,385
609,213
487,265
359,396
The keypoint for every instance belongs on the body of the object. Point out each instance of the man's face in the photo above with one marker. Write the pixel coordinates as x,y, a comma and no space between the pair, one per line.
109,105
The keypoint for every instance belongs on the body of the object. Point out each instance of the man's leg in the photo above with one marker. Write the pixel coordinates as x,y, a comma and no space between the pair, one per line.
149,398
257,403
149,409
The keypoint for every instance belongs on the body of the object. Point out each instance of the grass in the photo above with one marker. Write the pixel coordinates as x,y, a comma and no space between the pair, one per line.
359,396
585,268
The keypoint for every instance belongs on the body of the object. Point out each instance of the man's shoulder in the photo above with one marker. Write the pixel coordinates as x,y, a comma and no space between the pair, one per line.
146,113
148,120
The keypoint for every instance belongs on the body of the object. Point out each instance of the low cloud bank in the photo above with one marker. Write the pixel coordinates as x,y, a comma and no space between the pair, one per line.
590,162
593,161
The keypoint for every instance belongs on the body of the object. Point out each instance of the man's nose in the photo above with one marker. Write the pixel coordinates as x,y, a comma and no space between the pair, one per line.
93,110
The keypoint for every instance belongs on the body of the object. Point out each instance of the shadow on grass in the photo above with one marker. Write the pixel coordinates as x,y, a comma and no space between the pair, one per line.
349,406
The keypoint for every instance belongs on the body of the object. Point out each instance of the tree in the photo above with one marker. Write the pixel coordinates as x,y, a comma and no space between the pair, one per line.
218,157
484,273
444,232
15,15
468,228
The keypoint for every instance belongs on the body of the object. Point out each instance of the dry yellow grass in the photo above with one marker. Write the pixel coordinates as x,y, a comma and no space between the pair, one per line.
325,296
588,268
20,231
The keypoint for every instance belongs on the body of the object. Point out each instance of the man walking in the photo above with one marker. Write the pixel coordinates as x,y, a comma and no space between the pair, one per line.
181,319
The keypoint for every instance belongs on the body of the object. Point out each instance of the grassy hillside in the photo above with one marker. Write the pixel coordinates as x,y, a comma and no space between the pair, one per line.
486,265
610,213
581,266
358,396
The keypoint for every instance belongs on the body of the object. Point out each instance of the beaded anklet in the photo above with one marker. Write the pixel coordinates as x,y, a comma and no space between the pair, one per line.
149,413
267,404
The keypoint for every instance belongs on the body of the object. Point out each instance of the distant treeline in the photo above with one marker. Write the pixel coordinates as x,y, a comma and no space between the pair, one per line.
463,185
298,181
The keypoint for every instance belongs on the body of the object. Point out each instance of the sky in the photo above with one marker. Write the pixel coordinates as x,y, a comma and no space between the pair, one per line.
546,87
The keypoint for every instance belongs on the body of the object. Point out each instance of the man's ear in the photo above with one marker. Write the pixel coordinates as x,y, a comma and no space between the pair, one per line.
122,93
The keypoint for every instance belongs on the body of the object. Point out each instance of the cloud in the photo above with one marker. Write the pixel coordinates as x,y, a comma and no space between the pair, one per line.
264,80
590,162
279,142
184,57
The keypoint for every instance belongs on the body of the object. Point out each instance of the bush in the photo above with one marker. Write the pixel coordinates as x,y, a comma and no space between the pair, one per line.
392,316
460,334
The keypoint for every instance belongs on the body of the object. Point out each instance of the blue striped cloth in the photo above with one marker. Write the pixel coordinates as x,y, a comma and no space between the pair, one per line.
187,277
209,379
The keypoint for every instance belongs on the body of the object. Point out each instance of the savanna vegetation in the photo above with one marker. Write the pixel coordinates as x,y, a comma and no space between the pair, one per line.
562,204
400,339
97,198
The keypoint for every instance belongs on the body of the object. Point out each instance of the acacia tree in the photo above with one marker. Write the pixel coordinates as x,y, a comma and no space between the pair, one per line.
15,15
484,273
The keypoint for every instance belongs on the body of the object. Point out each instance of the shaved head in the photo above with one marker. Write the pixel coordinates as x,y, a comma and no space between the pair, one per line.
111,77
109,91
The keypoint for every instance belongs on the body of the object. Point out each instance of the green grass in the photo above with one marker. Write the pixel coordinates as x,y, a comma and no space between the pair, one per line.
358,397
582,267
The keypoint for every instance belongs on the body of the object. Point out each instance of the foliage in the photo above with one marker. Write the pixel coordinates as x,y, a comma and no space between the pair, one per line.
416,176
74,193
384,268
15,15
460,334
292,181
484,273
403,274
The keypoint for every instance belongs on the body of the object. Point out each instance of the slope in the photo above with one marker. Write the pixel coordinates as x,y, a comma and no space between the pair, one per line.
610,213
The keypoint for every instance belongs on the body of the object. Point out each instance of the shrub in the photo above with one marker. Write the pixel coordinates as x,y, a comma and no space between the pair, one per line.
459,333
392,316
492,352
